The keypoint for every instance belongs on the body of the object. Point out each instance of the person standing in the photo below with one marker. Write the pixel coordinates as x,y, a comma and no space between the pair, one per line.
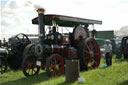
108,55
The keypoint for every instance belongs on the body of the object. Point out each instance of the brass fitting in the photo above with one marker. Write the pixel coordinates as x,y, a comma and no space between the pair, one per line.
40,10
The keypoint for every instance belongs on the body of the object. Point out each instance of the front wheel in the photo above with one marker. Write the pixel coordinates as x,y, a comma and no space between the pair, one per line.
55,66
29,66
3,64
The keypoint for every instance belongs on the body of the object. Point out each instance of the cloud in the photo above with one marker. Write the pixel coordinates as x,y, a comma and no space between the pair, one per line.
16,18
16,15
28,3
122,31
12,4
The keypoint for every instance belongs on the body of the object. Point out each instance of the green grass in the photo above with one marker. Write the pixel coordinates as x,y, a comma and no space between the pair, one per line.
117,74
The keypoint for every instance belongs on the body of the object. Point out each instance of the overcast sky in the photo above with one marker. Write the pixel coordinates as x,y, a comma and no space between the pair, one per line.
16,15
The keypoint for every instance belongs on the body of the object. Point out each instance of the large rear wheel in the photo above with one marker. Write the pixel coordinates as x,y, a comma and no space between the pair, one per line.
89,54
92,53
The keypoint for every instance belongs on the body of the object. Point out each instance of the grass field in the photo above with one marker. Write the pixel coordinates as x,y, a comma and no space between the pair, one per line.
117,74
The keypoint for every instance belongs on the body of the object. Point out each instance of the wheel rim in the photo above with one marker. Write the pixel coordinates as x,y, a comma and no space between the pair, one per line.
22,38
30,68
55,66
92,53
3,65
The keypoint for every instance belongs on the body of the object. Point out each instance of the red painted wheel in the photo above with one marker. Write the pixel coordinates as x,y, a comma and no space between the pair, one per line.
29,66
92,53
55,66
89,54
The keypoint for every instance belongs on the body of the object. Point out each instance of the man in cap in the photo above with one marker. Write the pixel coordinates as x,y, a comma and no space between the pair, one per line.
108,55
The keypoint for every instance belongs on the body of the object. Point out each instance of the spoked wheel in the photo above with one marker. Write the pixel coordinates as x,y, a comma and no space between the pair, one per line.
19,41
22,38
3,65
92,53
29,66
55,66
89,54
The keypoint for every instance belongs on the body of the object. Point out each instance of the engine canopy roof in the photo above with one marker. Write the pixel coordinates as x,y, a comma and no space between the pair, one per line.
66,21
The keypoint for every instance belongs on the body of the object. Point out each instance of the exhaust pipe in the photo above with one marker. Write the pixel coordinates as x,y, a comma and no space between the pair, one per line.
39,46
41,22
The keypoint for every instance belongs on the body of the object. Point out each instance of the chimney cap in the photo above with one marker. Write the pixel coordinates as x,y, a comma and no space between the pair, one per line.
40,10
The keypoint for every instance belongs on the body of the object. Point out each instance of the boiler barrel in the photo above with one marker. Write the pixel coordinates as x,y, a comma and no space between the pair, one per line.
72,70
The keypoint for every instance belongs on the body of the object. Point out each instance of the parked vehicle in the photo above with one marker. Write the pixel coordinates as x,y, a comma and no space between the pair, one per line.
12,55
124,47
53,48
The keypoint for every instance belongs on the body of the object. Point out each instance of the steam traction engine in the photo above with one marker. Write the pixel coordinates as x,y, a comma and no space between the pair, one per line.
12,55
53,48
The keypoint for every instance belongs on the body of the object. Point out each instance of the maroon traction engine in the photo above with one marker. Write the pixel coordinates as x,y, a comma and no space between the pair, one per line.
54,48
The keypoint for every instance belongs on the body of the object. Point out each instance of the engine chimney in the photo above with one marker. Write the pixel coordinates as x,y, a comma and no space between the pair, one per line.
41,22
